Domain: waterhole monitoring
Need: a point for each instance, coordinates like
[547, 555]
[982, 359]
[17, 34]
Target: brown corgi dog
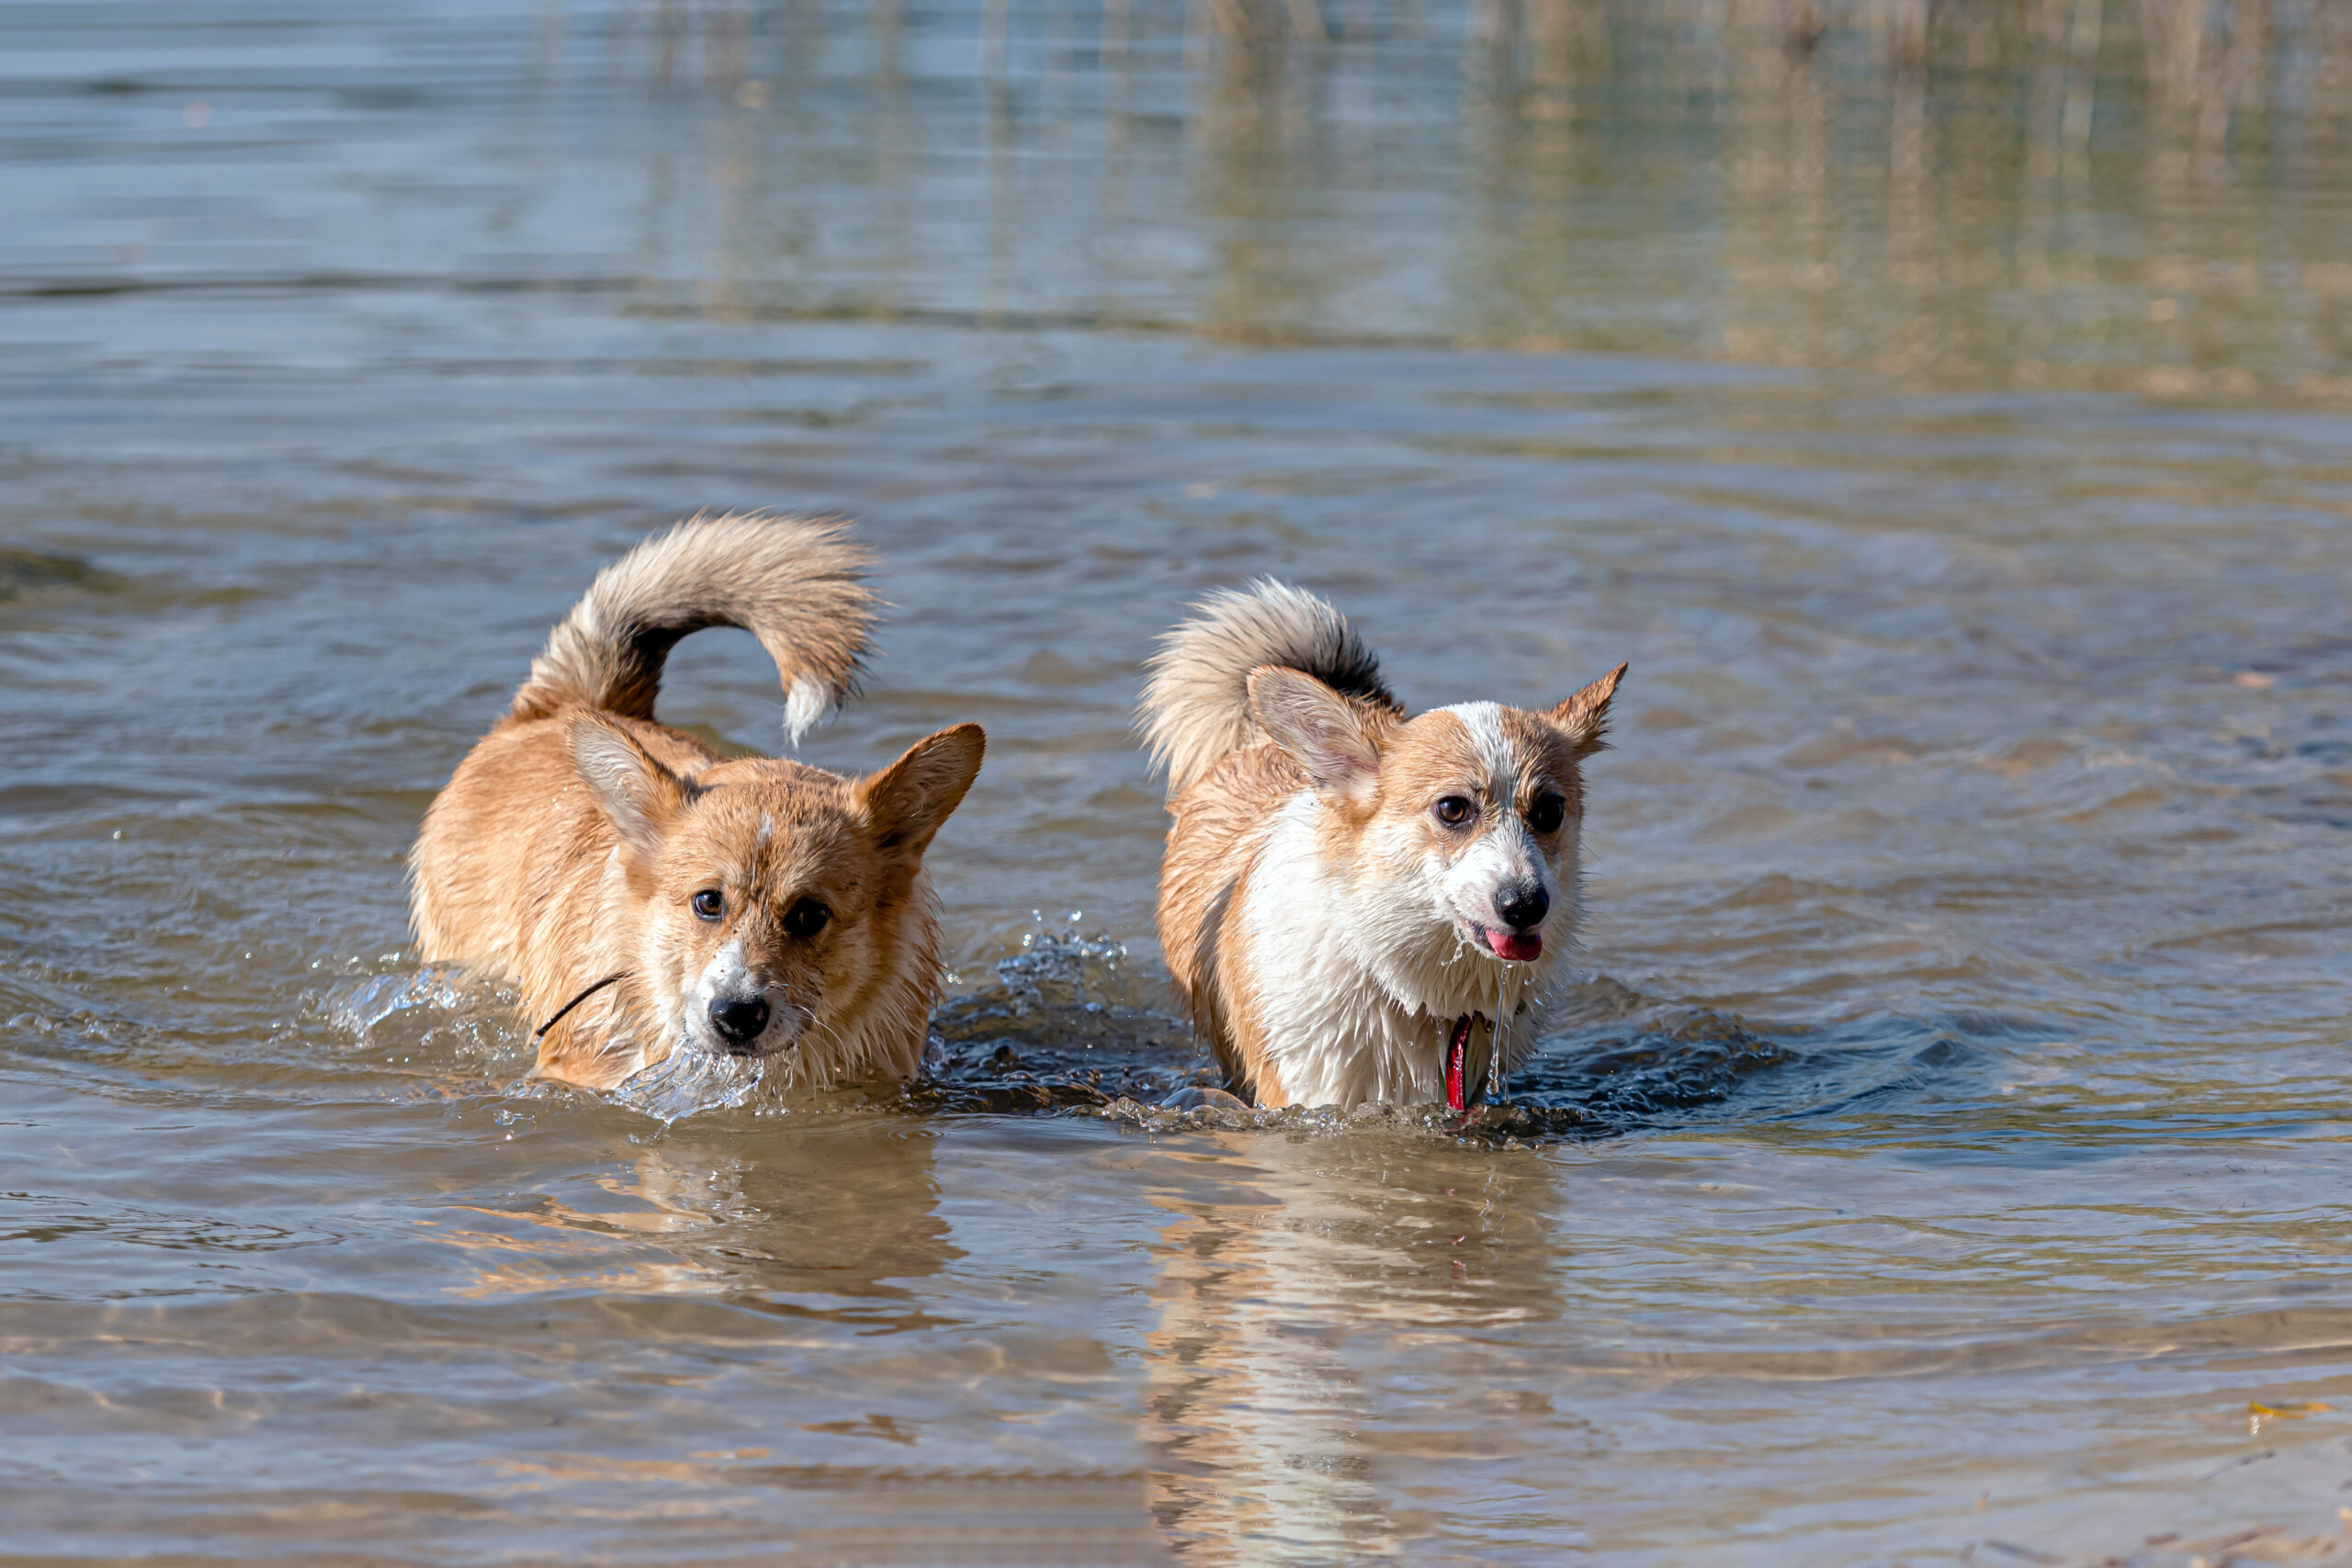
[1359, 906]
[650, 896]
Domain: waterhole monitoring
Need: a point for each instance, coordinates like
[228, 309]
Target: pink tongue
[1506, 945]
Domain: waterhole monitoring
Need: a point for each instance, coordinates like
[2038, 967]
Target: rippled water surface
[1945, 1158]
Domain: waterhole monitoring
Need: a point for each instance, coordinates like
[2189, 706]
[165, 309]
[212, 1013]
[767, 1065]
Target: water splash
[1064, 989]
[381, 998]
[688, 1083]
[1070, 1024]
[437, 1021]
[1067, 968]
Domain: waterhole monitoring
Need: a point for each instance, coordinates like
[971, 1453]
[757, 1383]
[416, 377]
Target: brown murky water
[1949, 1158]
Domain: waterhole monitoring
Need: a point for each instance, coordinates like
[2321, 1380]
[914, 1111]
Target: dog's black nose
[739, 1023]
[1523, 906]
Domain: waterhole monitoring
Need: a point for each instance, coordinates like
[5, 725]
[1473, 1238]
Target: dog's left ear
[640, 795]
[1585, 716]
[1331, 737]
[906, 801]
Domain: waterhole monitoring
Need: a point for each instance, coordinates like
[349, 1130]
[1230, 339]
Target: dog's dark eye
[709, 905]
[806, 919]
[1546, 813]
[1456, 810]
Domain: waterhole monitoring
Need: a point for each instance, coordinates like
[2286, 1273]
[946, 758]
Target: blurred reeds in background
[2146, 196]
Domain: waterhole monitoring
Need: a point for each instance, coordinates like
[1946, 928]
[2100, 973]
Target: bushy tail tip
[1195, 706]
[794, 582]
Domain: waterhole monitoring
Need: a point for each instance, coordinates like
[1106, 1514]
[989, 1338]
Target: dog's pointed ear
[640, 795]
[906, 801]
[1584, 717]
[1331, 737]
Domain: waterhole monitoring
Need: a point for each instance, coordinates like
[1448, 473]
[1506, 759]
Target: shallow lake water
[1946, 1159]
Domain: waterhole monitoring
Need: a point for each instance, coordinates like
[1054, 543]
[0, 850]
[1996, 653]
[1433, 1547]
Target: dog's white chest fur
[1356, 994]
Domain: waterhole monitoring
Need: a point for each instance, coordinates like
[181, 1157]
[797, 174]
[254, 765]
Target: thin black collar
[540, 1032]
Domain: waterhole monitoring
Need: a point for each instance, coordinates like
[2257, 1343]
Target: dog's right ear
[1328, 735]
[1584, 717]
[906, 801]
[637, 794]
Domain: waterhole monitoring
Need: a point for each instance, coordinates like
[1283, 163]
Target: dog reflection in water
[1334, 1327]
[648, 895]
[820, 1206]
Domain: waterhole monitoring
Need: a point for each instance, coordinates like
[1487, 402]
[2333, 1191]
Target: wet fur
[571, 841]
[1312, 910]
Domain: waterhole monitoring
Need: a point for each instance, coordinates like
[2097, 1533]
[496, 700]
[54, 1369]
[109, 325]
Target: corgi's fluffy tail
[1195, 706]
[793, 583]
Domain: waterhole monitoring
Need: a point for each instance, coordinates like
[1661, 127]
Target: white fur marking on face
[728, 976]
[1506, 852]
[725, 976]
[1484, 723]
[1505, 855]
[767, 830]
[803, 707]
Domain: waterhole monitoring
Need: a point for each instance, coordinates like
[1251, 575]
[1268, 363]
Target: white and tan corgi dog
[650, 896]
[1352, 899]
